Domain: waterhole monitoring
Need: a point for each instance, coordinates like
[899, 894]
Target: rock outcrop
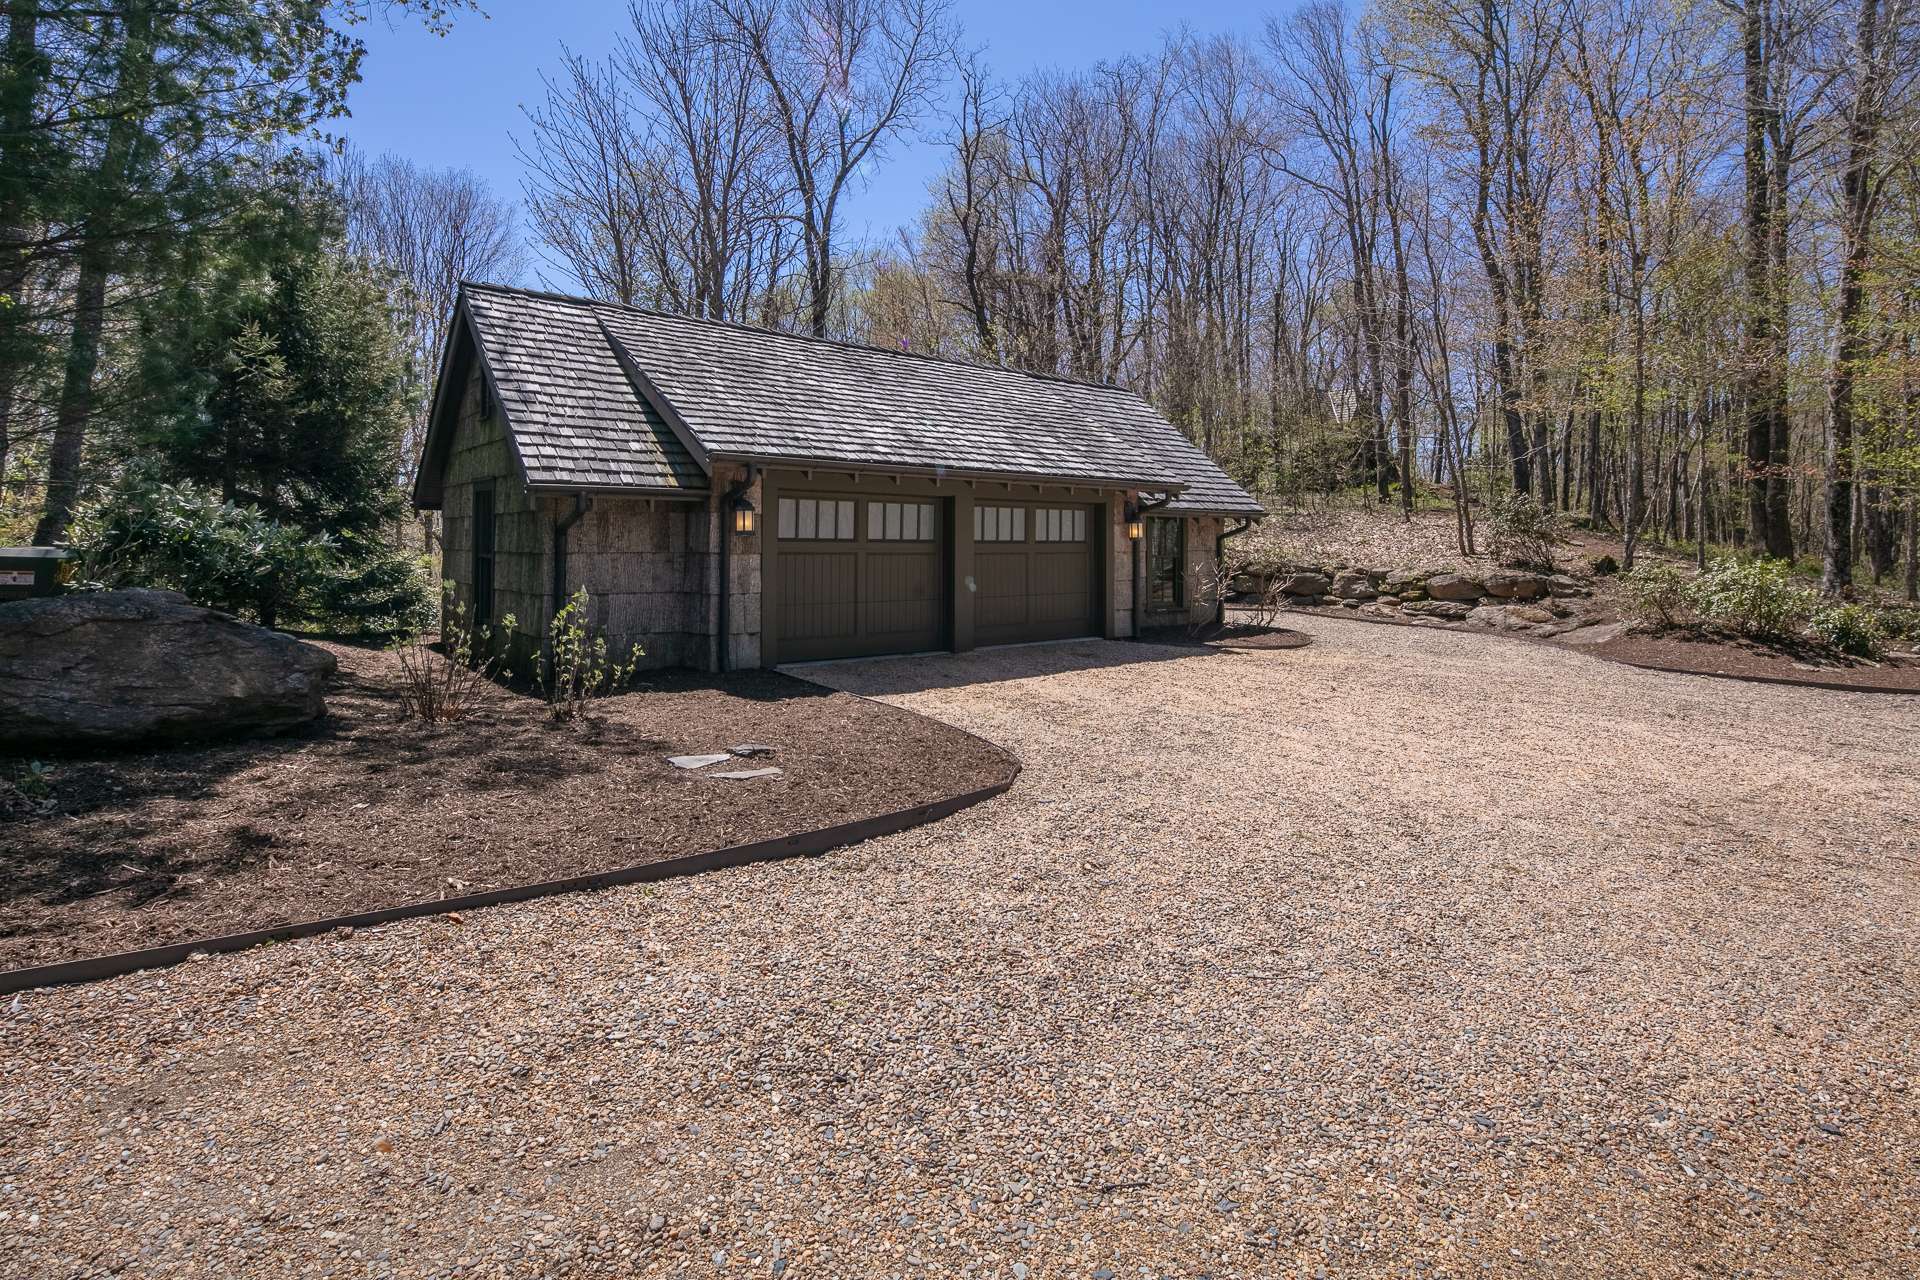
[111, 668]
[1455, 586]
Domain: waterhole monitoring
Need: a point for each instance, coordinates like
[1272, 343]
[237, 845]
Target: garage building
[853, 500]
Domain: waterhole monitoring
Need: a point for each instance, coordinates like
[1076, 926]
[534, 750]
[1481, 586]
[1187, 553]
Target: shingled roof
[605, 396]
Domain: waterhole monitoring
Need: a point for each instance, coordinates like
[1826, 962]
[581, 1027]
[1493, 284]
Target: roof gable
[601, 395]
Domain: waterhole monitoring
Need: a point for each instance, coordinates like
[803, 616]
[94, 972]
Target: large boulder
[1509, 585]
[1399, 581]
[1354, 584]
[1305, 582]
[1445, 610]
[1565, 587]
[108, 668]
[1455, 586]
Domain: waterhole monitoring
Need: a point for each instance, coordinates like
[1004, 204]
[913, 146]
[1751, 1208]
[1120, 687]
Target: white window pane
[910, 521]
[1019, 524]
[809, 517]
[1080, 525]
[979, 514]
[846, 519]
[786, 517]
[873, 521]
[1040, 525]
[928, 530]
[1002, 524]
[893, 522]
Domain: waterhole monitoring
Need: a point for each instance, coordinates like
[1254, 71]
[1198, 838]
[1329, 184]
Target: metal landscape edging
[798, 845]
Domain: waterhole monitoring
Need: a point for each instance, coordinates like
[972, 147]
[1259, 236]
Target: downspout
[734, 490]
[1139, 578]
[560, 527]
[1220, 559]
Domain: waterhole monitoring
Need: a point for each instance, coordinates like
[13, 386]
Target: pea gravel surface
[1406, 954]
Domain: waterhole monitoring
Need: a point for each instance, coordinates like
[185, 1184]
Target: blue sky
[454, 100]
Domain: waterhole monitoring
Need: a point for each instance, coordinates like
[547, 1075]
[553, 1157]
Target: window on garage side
[1166, 563]
[999, 524]
[1060, 524]
[482, 557]
[901, 522]
[816, 519]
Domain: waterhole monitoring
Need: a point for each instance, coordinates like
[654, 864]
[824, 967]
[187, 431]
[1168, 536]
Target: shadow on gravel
[881, 677]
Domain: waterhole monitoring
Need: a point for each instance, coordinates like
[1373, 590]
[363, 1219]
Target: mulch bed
[1713, 654]
[1234, 635]
[369, 809]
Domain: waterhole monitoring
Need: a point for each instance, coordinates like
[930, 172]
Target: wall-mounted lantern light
[743, 514]
[1136, 528]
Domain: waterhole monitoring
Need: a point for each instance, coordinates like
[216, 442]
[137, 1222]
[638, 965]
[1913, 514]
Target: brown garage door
[852, 577]
[1034, 564]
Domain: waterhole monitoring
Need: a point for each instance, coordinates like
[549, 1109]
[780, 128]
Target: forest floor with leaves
[1360, 532]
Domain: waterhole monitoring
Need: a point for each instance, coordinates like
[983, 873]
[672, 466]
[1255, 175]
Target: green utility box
[33, 571]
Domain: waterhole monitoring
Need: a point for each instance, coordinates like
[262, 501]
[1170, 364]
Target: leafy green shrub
[577, 668]
[1755, 597]
[373, 588]
[1850, 628]
[449, 683]
[186, 538]
[1522, 532]
[1659, 592]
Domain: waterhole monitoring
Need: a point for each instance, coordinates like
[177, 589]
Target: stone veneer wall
[646, 563]
[743, 600]
[522, 532]
[1120, 548]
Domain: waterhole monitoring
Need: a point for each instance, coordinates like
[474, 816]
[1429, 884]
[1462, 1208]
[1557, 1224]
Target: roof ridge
[576, 300]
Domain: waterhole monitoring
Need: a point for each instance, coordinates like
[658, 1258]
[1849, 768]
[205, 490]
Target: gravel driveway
[1410, 953]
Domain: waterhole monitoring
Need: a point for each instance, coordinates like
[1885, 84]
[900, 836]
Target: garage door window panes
[901, 522]
[999, 524]
[1060, 524]
[817, 519]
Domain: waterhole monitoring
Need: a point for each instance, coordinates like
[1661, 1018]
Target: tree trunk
[76, 401]
[1913, 550]
[23, 75]
[1849, 338]
[97, 252]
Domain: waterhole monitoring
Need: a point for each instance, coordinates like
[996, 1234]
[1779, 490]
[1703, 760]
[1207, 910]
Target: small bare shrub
[448, 684]
[578, 669]
[1262, 600]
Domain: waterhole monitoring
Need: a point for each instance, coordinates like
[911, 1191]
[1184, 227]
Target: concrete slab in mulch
[772, 771]
[697, 762]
